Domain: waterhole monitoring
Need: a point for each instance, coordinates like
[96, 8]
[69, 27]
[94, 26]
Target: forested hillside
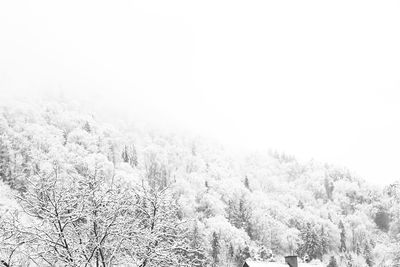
[76, 191]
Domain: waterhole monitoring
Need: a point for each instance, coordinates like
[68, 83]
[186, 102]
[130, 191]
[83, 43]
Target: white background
[317, 79]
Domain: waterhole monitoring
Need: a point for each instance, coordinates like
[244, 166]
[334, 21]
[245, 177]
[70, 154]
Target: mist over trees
[75, 191]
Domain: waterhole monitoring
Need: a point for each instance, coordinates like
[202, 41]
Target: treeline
[92, 194]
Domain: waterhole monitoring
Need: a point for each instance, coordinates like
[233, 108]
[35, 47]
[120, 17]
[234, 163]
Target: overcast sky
[316, 79]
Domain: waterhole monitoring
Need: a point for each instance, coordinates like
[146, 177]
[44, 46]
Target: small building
[290, 261]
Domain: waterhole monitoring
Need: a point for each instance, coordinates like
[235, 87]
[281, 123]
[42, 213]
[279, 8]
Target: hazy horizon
[313, 79]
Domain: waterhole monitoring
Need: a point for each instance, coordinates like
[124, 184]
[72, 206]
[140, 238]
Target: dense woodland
[76, 191]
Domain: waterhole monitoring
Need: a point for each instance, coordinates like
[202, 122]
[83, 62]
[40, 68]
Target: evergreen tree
[231, 252]
[129, 155]
[199, 256]
[342, 247]
[368, 254]
[324, 241]
[332, 262]
[134, 157]
[310, 242]
[349, 259]
[156, 174]
[215, 249]
[243, 255]
[239, 214]
[263, 253]
[329, 188]
[5, 161]
[246, 182]
[125, 155]
[87, 127]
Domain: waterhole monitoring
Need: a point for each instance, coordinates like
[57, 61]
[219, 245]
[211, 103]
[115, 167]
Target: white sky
[317, 79]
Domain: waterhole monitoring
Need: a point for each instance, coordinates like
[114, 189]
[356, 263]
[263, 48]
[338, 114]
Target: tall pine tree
[342, 247]
[215, 249]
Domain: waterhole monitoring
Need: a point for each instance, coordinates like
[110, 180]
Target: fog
[313, 79]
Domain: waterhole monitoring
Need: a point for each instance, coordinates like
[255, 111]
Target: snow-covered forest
[76, 191]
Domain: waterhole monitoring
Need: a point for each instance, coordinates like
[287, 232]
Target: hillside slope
[237, 206]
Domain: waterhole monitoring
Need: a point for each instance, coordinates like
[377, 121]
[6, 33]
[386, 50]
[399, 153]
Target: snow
[310, 265]
[6, 198]
[278, 264]
[265, 264]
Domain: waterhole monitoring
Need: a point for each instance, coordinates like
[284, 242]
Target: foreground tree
[77, 214]
[84, 217]
[11, 242]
